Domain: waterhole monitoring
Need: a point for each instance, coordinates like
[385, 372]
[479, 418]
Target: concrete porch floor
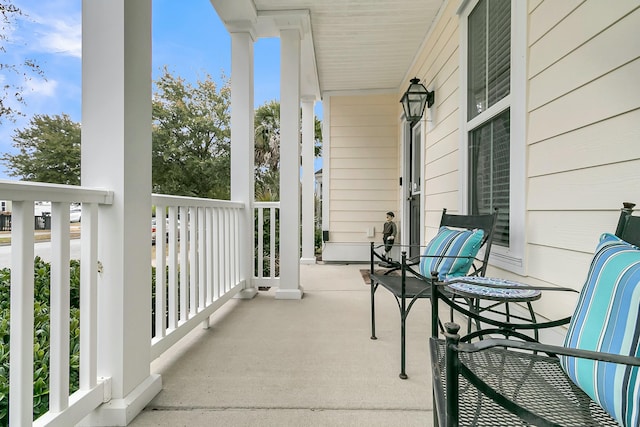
[309, 362]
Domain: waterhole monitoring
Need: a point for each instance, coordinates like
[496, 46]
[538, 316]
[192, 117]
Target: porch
[292, 363]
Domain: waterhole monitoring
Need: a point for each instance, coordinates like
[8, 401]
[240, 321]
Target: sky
[190, 41]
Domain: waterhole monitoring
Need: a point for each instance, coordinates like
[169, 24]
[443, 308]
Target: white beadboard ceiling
[356, 44]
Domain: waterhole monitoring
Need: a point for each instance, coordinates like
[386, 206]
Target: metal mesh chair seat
[414, 287]
[530, 381]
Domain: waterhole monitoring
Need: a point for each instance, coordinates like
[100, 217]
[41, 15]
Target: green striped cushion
[451, 243]
[606, 319]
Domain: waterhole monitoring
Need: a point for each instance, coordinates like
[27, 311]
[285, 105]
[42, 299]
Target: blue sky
[190, 41]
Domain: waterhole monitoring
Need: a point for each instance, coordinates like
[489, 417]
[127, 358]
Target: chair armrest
[547, 348]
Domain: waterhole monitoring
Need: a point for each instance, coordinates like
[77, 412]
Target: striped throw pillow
[440, 253]
[607, 319]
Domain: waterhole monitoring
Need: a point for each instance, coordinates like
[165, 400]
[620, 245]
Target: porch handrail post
[308, 174]
[242, 147]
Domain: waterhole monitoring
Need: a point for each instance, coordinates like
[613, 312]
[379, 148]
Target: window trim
[513, 257]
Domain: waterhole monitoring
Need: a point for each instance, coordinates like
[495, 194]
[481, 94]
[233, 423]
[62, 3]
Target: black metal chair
[410, 285]
[515, 380]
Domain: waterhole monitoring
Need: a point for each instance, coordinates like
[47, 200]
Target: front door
[414, 188]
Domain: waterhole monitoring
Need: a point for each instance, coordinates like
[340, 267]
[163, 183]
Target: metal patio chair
[452, 252]
[592, 380]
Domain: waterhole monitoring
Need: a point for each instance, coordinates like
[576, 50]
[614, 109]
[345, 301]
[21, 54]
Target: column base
[308, 260]
[120, 412]
[290, 293]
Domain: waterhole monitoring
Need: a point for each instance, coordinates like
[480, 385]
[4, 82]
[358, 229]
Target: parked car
[75, 214]
[153, 230]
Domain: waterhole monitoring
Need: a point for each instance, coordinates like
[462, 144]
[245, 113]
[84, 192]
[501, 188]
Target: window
[493, 137]
[489, 113]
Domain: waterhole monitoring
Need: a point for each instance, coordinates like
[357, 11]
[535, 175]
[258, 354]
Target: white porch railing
[64, 409]
[197, 246]
[267, 257]
[200, 254]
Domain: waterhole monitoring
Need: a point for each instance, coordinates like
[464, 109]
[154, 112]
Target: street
[42, 249]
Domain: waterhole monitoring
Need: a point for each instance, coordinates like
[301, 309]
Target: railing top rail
[266, 204]
[168, 200]
[40, 191]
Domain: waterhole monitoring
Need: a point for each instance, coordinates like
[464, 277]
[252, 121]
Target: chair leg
[373, 311]
[403, 318]
[533, 319]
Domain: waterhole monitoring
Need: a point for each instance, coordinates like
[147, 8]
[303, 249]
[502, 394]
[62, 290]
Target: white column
[116, 155]
[242, 150]
[289, 165]
[308, 137]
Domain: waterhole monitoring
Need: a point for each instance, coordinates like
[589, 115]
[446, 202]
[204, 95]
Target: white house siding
[437, 66]
[363, 178]
[583, 132]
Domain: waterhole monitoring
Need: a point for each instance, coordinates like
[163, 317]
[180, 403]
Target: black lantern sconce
[414, 100]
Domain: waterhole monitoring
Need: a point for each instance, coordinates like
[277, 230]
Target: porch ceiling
[356, 44]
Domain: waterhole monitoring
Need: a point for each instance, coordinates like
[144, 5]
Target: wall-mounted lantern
[414, 100]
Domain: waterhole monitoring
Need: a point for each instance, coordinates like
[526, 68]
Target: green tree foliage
[48, 151]
[191, 138]
[11, 94]
[267, 150]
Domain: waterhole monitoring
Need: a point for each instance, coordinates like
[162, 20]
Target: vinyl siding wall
[363, 182]
[583, 132]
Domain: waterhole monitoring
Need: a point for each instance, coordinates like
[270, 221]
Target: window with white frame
[489, 112]
[493, 83]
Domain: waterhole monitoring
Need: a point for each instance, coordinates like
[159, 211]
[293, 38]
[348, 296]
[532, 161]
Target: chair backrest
[485, 222]
[628, 228]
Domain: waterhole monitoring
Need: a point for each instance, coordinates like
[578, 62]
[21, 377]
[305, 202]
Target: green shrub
[42, 281]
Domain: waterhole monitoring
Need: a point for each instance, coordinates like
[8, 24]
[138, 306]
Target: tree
[267, 149]
[48, 151]
[11, 93]
[191, 138]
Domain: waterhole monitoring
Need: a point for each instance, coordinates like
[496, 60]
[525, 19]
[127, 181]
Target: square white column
[242, 149]
[116, 155]
[289, 166]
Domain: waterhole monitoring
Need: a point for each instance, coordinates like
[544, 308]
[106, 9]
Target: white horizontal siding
[364, 164]
[583, 157]
[609, 141]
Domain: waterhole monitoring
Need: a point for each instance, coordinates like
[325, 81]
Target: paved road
[42, 249]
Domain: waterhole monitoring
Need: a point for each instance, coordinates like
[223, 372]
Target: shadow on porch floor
[309, 362]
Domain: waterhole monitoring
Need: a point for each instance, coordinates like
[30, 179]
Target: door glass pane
[416, 159]
[489, 173]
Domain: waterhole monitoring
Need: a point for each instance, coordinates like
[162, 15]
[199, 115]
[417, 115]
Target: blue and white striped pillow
[451, 243]
[607, 319]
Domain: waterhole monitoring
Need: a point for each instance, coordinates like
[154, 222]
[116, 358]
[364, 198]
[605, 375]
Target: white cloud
[40, 87]
[54, 27]
[62, 37]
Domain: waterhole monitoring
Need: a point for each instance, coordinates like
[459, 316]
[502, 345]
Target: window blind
[489, 151]
[489, 55]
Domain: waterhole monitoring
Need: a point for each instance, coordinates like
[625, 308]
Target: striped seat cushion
[441, 252]
[606, 319]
